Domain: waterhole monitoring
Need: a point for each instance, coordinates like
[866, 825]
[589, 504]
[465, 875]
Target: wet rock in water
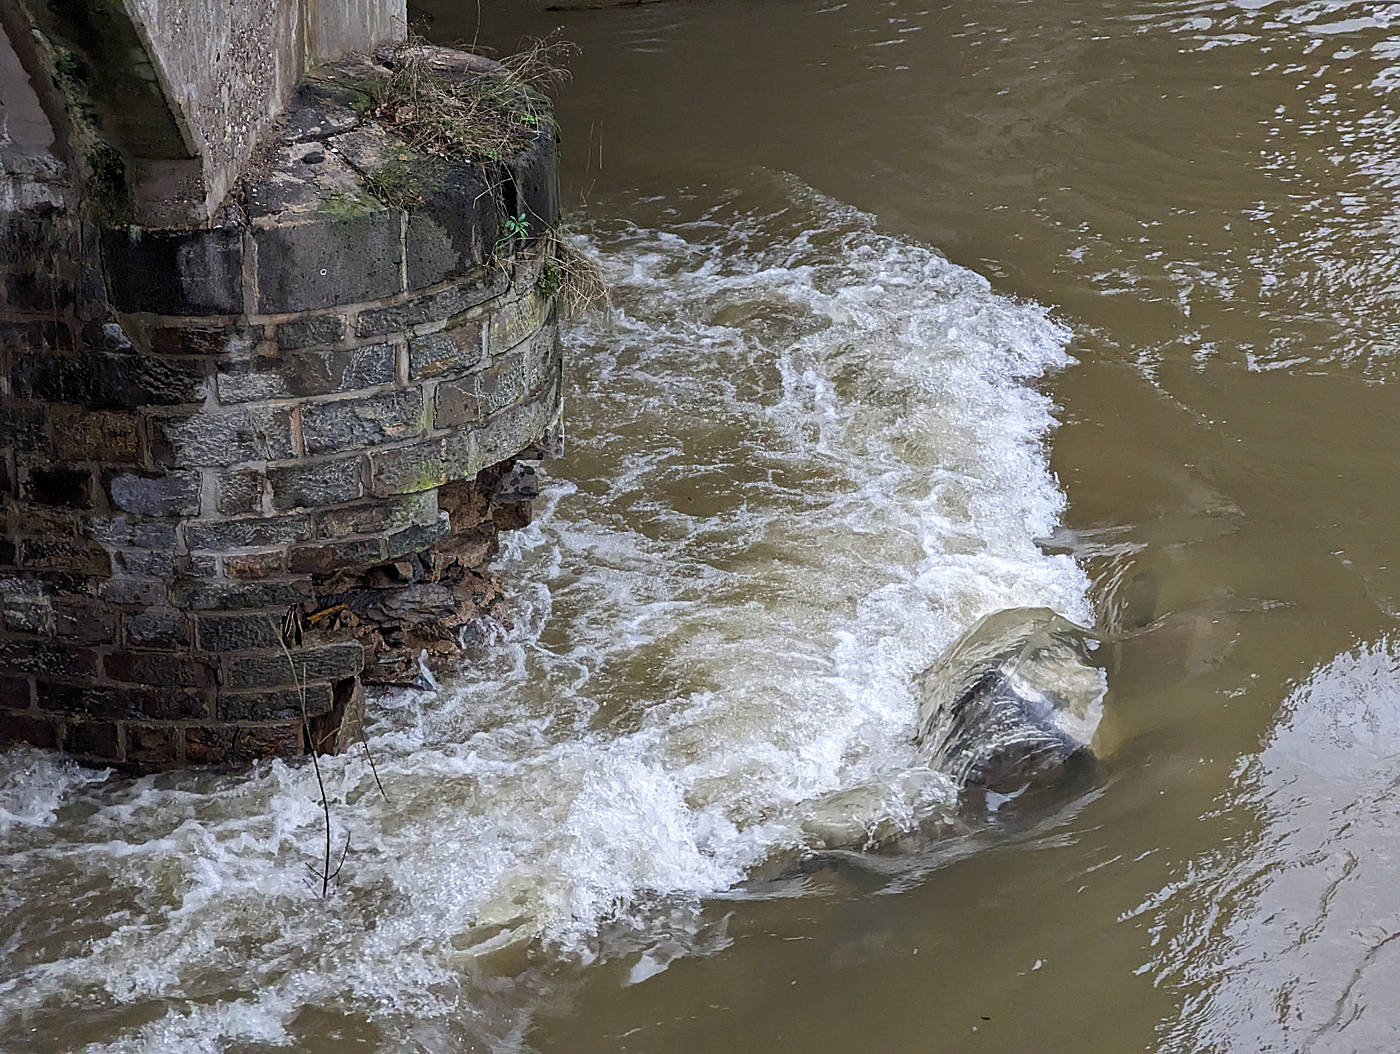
[1009, 711]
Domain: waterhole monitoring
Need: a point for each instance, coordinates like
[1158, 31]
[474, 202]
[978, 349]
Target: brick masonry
[244, 468]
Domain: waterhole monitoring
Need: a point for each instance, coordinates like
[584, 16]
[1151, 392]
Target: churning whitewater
[803, 456]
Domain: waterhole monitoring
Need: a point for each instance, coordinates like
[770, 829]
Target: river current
[918, 312]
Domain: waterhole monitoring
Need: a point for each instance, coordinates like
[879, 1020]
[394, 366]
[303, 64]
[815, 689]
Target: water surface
[920, 311]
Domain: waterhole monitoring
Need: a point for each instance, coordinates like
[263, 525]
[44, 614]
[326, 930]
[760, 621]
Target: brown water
[804, 453]
[1206, 192]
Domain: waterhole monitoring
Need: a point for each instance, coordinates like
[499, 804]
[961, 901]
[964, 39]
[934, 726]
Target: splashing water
[804, 456]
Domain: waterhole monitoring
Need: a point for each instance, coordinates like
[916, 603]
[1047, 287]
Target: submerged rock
[1006, 715]
[1010, 709]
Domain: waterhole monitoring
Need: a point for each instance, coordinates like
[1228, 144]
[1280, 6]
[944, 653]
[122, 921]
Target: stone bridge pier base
[258, 429]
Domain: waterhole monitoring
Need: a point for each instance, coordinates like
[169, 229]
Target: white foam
[804, 456]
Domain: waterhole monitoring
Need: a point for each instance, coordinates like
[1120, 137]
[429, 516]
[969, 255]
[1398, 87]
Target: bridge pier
[258, 427]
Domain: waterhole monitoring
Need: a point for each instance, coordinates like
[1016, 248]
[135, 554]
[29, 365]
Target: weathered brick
[534, 182]
[223, 437]
[147, 494]
[348, 424]
[331, 556]
[255, 565]
[95, 435]
[132, 533]
[453, 225]
[124, 701]
[511, 431]
[379, 515]
[330, 261]
[157, 627]
[272, 704]
[26, 607]
[307, 332]
[23, 728]
[239, 632]
[69, 488]
[515, 322]
[235, 340]
[433, 307]
[313, 483]
[451, 351]
[120, 589]
[14, 693]
[239, 491]
[206, 594]
[259, 533]
[98, 739]
[148, 563]
[407, 469]
[228, 744]
[417, 537]
[327, 662]
[65, 554]
[87, 621]
[306, 374]
[109, 381]
[151, 747]
[193, 272]
[158, 669]
[23, 427]
[38, 292]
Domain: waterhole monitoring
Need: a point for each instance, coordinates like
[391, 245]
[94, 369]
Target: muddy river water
[920, 310]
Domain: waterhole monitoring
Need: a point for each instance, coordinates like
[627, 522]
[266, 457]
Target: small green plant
[516, 226]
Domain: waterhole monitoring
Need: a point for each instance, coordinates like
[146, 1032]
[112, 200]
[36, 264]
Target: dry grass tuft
[571, 276]
[478, 116]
